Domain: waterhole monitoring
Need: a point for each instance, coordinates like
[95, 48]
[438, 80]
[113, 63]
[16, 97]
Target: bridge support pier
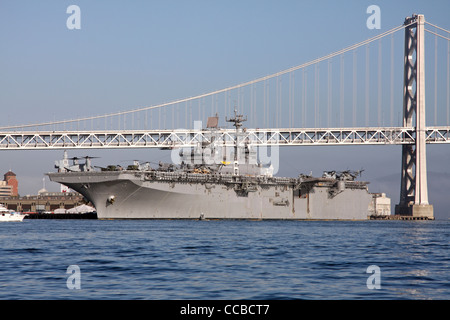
[414, 189]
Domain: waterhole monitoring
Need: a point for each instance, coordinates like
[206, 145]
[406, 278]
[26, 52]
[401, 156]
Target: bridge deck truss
[226, 137]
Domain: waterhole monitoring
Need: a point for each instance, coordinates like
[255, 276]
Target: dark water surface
[162, 259]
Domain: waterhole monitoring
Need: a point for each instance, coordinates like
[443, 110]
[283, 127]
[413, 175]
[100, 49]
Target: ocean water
[255, 260]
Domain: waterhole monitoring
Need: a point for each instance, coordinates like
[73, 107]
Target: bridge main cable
[245, 84]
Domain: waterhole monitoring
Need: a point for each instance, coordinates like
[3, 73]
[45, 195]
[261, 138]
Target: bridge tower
[414, 189]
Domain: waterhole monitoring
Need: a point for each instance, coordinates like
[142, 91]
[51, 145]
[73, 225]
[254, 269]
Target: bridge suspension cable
[439, 28]
[122, 114]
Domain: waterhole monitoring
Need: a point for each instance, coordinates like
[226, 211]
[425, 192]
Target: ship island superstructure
[232, 188]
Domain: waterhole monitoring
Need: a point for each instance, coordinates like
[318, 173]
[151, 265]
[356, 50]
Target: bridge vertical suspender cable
[316, 95]
[435, 78]
[304, 96]
[355, 91]
[330, 82]
[392, 83]
[277, 101]
[367, 95]
[380, 61]
[341, 96]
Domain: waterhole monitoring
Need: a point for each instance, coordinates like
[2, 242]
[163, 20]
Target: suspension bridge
[349, 97]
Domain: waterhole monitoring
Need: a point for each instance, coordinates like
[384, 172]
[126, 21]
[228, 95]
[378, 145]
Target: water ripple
[224, 259]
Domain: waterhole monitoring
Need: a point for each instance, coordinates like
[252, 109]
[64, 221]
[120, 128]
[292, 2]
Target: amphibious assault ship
[238, 189]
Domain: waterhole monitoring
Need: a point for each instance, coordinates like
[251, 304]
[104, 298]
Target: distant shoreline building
[43, 201]
[9, 187]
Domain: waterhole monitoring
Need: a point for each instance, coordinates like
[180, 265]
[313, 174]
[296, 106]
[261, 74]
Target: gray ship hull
[153, 195]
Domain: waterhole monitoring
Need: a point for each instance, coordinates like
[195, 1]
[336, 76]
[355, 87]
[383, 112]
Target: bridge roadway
[28, 140]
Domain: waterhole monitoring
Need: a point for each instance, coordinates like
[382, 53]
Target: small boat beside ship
[9, 215]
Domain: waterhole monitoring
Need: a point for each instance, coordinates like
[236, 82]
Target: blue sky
[138, 53]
